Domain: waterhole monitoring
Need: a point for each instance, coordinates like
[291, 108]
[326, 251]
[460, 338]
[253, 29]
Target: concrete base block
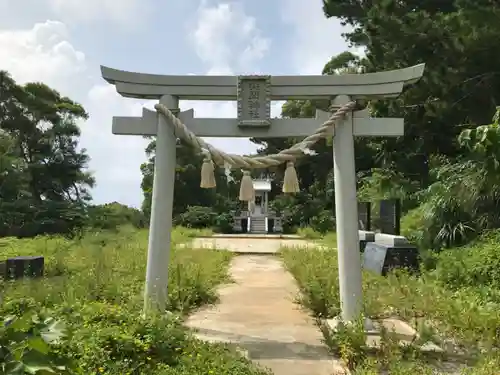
[365, 237]
[334, 324]
[405, 333]
[390, 240]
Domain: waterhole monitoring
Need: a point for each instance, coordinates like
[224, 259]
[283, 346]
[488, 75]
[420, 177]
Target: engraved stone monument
[390, 252]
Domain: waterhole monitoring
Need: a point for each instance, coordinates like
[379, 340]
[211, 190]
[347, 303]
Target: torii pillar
[254, 95]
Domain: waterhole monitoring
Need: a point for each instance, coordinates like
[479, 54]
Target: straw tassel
[207, 174]
[290, 181]
[247, 192]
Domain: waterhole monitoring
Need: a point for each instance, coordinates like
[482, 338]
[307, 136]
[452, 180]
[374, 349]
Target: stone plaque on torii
[254, 95]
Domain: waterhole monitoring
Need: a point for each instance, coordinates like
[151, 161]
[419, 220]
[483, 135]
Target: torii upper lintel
[357, 86]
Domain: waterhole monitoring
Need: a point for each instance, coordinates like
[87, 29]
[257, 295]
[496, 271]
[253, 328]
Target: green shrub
[197, 217]
[114, 339]
[224, 223]
[323, 222]
[113, 215]
[413, 227]
[27, 345]
[476, 265]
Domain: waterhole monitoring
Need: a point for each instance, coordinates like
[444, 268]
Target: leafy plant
[197, 217]
[323, 222]
[456, 306]
[25, 346]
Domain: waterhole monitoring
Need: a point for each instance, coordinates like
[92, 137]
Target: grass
[309, 233]
[94, 285]
[466, 320]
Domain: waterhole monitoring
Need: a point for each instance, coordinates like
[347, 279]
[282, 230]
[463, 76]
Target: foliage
[199, 217]
[224, 222]
[464, 197]
[449, 172]
[187, 191]
[456, 305]
[323, 222]
[112, 215]
[476, 265]
[94, 286]
[43, 182]
[26, 345]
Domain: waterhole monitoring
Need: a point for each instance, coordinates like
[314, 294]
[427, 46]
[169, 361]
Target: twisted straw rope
[247, 162]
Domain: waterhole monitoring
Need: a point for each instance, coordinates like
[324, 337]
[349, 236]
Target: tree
[187, 190]
[461, 85]
[43, 184]
[111, 216]
[460, 89]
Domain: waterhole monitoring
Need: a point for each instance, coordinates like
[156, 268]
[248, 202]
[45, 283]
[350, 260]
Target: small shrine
[257, 218]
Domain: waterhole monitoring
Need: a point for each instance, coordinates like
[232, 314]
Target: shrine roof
[261, 185]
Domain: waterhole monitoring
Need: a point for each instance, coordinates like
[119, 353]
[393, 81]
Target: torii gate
[254, 95]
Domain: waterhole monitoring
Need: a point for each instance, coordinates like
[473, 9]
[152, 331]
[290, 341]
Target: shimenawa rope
[213, 155]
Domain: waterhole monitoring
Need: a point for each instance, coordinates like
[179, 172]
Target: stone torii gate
[254, 95]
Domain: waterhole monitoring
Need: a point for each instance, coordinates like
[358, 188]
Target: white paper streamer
[308, 151]
[227, 172]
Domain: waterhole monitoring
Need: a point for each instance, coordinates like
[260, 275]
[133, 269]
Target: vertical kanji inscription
[254, 103]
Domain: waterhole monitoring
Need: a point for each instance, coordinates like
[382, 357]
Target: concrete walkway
[258, 314]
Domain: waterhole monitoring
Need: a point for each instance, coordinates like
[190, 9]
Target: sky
[63, 43]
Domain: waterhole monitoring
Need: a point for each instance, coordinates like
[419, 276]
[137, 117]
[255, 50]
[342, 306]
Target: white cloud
[224, 37]
[44, 53]
[227, 40]
[315, 39]
[119, 11]
[116, 159]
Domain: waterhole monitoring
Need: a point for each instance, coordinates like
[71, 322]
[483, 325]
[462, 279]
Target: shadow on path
[261, 348]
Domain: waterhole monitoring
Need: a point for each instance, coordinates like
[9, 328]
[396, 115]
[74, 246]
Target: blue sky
[63, 43]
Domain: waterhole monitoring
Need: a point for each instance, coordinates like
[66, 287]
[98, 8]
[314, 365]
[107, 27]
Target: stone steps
[258, 225]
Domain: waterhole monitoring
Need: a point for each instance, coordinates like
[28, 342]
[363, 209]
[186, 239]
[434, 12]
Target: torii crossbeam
[254, 94]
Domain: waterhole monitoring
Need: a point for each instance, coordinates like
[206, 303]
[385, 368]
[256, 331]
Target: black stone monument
[244, 225]
[384, 257]
[24, 266]
[364, 216]
[390, 216]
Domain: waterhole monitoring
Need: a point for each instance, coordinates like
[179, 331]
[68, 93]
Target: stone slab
[249, 245]
[256, 236]
[258, 314]
[391, 240]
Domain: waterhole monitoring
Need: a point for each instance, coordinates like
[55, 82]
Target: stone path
[259, 315]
